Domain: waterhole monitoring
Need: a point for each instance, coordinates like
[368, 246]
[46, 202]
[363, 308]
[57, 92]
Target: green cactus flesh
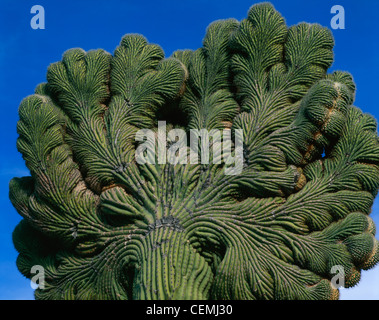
[106, 227]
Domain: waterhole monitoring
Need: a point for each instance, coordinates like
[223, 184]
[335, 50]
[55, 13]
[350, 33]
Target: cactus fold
[106, 227]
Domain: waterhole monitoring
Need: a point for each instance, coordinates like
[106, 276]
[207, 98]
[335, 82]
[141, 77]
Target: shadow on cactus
[104, 226]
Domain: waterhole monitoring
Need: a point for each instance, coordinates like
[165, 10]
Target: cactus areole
[106, 226]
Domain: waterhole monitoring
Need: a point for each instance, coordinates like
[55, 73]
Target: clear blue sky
[25, 54]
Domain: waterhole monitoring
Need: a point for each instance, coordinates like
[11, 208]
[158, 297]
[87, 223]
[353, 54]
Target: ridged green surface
[106, 227]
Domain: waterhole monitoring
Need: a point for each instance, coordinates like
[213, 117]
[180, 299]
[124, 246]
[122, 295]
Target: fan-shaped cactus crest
[104, 226]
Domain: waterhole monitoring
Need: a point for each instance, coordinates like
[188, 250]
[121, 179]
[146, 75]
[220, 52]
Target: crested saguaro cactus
[105, 226]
